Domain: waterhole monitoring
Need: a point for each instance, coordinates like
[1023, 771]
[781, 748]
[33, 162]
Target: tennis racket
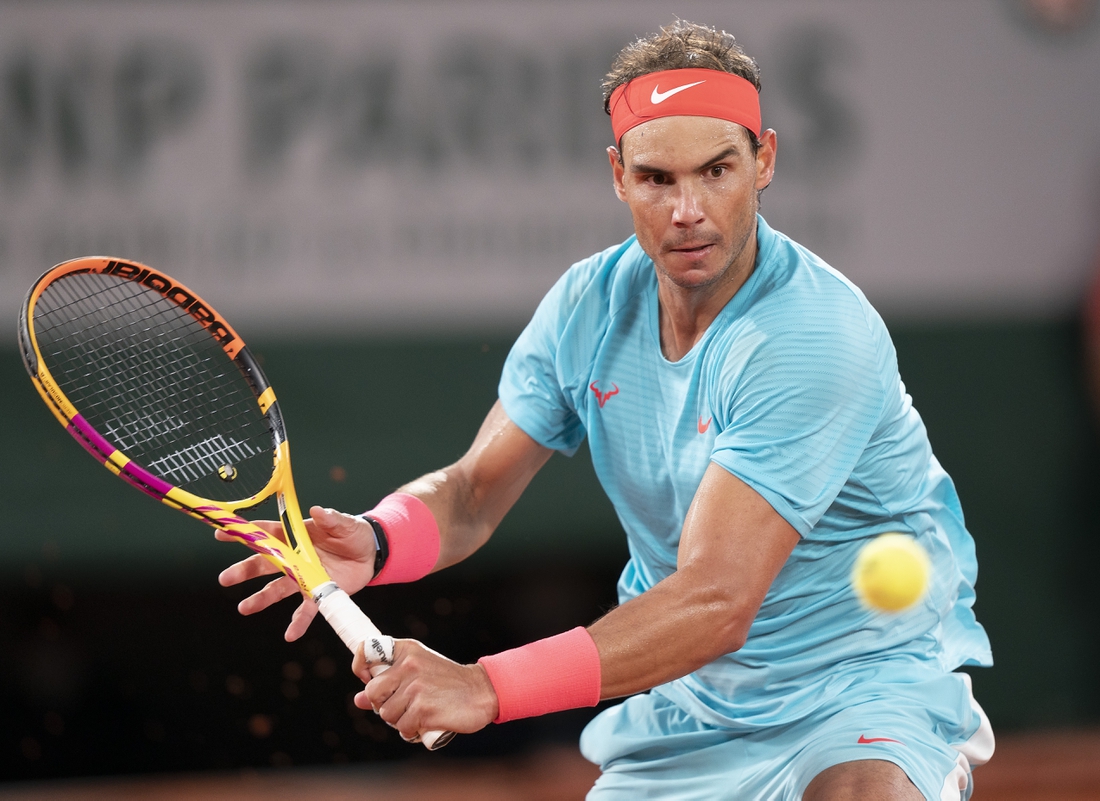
[160, 389]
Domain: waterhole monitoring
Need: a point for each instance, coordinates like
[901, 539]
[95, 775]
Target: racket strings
[147, 422]
[148, 377]
[120, 369]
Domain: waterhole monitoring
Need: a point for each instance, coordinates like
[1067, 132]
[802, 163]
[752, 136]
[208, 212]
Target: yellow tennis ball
[891, 573]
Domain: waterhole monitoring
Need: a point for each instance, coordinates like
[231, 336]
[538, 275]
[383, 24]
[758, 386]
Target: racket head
[159, 388]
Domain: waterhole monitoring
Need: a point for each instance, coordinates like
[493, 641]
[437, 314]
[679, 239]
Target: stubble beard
[727, 274]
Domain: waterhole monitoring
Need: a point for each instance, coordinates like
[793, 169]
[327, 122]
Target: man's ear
[765, 159]
[618, 171]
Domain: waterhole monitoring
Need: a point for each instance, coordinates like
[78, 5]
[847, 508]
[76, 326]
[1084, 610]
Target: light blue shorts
[648, 747]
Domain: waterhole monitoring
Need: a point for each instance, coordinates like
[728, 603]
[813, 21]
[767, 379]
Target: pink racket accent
[99, 447]
[145, 481]
[90, 439]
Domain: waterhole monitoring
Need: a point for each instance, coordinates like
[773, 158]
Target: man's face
[691, 184]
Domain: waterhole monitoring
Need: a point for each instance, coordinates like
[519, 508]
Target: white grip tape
[356, 629]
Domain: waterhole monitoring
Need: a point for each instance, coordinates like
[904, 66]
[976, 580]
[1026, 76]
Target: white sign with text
[355, 167]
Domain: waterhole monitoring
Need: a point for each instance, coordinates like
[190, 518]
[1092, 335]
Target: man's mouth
[692, 248]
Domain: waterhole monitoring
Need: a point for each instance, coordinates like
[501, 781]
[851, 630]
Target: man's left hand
[424, 691]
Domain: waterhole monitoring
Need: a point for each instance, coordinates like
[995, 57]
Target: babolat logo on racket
[177, 294]
[379, 651]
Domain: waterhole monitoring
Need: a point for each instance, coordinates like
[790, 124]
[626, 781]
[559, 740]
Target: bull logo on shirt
[601, 397]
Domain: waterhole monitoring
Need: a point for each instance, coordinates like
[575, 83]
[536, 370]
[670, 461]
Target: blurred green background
[1005, 404]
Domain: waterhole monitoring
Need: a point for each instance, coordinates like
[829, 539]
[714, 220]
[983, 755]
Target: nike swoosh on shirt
[863, 740]
[661, 97]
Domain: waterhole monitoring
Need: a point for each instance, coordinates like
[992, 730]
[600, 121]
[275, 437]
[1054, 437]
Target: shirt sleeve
[801, 401]
[531, 387]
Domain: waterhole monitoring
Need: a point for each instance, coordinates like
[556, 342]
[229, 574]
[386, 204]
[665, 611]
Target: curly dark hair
[682, 45]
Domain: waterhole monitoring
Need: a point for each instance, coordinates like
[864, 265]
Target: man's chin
[693, 277]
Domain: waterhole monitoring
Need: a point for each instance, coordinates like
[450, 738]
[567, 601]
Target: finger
[388, 694]
[407, 722]
[250, 568]
[272, 527]
[391, 710]
[379, 691]
[273, 592]
[360, 666]
[337, 525]
[301, 619]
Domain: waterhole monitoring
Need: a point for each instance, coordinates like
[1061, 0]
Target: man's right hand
[345, 545]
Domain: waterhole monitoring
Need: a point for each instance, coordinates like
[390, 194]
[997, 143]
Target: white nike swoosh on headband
[660, 97]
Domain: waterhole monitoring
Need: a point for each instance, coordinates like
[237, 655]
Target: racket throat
[323, 590]
[353, 627]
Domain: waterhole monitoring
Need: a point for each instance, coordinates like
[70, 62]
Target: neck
[685, 313]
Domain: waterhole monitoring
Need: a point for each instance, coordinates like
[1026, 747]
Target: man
[745, 415]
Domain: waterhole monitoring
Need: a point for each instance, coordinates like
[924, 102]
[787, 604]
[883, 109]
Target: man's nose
[687, 209]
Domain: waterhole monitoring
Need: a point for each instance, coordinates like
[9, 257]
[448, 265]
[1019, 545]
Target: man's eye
[717, 171]
[659, 180]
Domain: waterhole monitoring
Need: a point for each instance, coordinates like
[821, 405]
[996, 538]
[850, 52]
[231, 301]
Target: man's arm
[471, 497]
[732, 546]
[468, 500]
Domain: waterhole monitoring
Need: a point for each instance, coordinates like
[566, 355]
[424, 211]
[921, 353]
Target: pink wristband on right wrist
[551, 675]
[412, 536]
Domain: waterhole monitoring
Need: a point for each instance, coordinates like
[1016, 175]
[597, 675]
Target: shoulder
[586, 298]
[607, 279]
[806, 322]
[548, 361]
[802, 301]
[803, 289]
[579, 307]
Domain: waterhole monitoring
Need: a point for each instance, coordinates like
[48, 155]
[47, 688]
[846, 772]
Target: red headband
[688, 93]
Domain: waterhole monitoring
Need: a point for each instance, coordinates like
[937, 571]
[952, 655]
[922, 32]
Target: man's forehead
[676, 139]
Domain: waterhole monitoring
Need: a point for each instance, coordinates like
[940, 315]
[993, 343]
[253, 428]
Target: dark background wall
[120, 653]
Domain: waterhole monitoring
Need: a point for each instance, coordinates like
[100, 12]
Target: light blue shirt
[794, 388]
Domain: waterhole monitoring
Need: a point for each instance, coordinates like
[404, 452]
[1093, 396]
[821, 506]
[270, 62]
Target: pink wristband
[551, 675]
[412, 536]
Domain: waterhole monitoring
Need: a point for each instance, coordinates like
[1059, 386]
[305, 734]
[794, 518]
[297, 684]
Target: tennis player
[745, 414]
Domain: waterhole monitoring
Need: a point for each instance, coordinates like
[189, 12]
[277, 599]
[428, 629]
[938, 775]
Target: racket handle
[356, 629]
